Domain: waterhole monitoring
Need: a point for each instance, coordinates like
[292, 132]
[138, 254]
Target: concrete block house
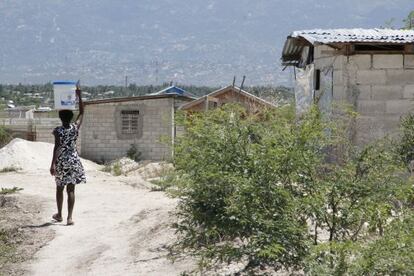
[110, 126]
[371, 69]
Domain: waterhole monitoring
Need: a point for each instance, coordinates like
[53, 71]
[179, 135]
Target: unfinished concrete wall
[379, 86]
[41, 127]
[102, 142]
[45, 128]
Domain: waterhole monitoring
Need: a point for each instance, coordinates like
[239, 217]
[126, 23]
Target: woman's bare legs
[70, 189]
[59, 203]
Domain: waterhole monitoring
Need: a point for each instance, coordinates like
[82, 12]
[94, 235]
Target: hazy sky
[189, 41]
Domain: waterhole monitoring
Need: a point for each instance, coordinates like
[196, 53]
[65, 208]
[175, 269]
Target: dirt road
[119, 229]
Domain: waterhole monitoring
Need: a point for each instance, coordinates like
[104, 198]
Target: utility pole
[241, 86]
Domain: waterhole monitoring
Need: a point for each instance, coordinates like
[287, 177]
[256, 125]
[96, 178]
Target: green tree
[409, 21]
[236, 198]
[391, 254]
[281, 191]
[405, 146]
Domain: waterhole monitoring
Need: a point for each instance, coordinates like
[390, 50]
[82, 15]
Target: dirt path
[119, 230]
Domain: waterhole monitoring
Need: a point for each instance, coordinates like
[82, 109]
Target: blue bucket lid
[64, 82]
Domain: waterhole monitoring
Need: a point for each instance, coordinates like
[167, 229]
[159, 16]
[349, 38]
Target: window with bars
[129, 121]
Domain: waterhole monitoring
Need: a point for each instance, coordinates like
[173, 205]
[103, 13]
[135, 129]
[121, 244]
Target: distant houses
[229, 94]
[371, 69]
[111, 126]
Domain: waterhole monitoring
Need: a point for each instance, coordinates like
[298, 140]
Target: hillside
[203, 43]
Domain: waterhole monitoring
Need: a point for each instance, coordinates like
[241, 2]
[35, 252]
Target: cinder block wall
[380, 86]
[43, 127]
[100, 137]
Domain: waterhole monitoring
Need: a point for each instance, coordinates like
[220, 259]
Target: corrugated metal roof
[174, 90]
[138, 98]
[224, 90]
[298, 40]
[356, 35]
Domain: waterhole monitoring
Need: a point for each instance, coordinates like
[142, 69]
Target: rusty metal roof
[298, 40]
[223, 90]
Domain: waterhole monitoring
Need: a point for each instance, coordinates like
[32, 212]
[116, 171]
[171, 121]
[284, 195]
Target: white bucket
[65, 95]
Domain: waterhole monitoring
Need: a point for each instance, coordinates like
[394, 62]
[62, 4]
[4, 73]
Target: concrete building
[110, 126]
[371, 69]
[229, 94]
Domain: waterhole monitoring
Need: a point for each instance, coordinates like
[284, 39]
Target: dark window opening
[129, 121]
[317, 79]
[379, 48]
[311, 55]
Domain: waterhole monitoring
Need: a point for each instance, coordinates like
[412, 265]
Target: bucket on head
[64, 95]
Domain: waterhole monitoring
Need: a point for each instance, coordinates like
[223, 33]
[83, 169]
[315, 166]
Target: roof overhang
[297, 41]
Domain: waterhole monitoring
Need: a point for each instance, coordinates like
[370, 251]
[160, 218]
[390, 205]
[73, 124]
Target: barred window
[129, 119]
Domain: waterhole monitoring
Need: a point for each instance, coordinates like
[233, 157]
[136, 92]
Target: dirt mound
[149, 170]
[31, 156]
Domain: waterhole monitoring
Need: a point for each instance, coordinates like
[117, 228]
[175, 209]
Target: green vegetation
[168, 178]
[9, 169]
[408, 22]
[8, 191]
[107, 168]
[405, 147]
[113, 168]
[116, 168]
[5, 136]
[287, 192]
[6, 249]
[133, 153]
[42, 94]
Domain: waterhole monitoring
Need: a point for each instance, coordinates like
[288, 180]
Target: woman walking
[66, 165]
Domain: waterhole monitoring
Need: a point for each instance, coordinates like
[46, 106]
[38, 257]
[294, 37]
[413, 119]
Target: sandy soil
[121, 227]
[19, 217]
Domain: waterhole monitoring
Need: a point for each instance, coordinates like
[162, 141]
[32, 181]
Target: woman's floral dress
[68, 168]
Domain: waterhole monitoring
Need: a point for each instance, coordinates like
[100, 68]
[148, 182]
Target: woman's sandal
[57, 218]
[70, 222]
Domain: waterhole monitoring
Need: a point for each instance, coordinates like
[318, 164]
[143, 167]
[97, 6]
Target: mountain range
[201, 42]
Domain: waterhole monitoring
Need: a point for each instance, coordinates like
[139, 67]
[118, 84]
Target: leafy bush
[113, 168]
[7, 191]
[5, 136]
[133, 153]
[405, 146]
[236, 190]
[392, 254]
[117, 169]
[168, 178]
[275, 190]
[9, 169]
